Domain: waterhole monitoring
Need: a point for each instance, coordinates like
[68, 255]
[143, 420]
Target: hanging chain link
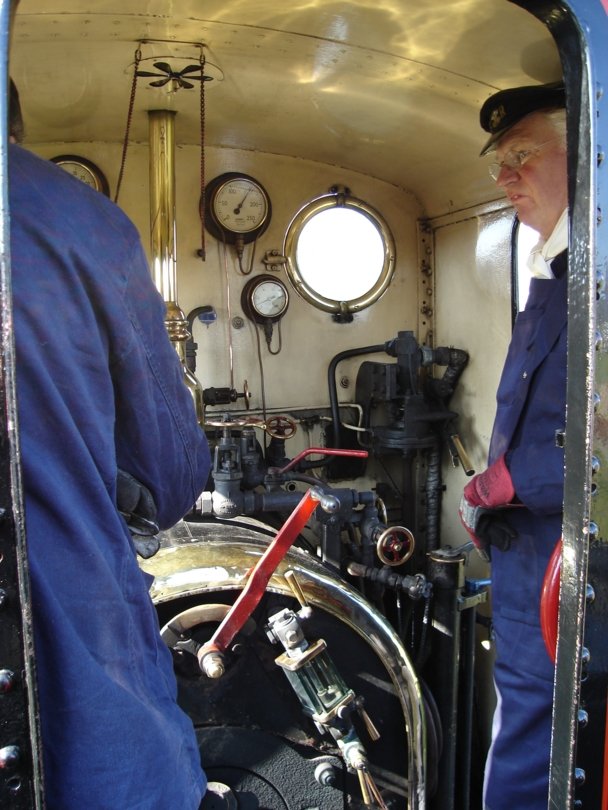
[137, 60]
[202, 251]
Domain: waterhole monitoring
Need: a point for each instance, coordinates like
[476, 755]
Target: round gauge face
[269, 299]
[83, 170]
[240, 205]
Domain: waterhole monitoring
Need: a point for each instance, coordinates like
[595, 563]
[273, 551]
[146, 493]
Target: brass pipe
[163, 239]
[162, 201]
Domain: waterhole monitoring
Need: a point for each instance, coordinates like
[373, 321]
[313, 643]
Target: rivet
[585, 656]
[583, 718]
[595, 465]
[590, 594]
[7, 680]
[9, 757]
[579, 776]
[13, 784]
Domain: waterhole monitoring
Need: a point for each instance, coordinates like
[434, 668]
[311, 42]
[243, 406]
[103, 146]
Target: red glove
[491, 489]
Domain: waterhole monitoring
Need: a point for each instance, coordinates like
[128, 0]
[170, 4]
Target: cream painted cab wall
[227, 356]
[473, 312]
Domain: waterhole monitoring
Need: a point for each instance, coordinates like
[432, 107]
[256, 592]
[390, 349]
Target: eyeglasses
[516, 158]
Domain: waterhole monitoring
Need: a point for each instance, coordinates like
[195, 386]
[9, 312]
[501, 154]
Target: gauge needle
[237, 210]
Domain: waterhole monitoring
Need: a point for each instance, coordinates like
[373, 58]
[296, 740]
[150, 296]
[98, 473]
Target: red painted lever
[324, 451]
[549, 601]
[260, 574]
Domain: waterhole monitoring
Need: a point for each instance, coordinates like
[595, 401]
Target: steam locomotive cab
[341, 277]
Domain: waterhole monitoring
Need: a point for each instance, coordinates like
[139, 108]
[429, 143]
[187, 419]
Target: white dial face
[269, 299]
[81, 172]
[240, 205]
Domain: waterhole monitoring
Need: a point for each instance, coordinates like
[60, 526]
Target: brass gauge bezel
[248, 219]
[263, 310]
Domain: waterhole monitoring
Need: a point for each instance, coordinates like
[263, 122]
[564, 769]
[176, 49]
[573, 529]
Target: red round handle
[549, 600]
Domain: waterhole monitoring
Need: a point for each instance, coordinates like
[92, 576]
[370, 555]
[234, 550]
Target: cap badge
[496, 117]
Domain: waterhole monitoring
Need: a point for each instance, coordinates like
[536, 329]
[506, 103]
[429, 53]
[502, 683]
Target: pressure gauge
[265, 299]
[85, 170]
[237, 208]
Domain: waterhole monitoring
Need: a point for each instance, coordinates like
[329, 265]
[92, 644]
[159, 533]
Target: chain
[202, 252]
[128, 127]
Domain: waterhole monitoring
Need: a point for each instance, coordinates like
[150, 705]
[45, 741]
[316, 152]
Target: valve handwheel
[227, 423]
[395, 545]
[280, 427]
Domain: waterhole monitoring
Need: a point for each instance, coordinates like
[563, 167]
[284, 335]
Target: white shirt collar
[541, 255]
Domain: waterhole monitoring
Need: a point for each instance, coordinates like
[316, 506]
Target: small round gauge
[265, 298]
[236, 207]
[83, 170]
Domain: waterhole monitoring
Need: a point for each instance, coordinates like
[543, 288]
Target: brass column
[163, 240]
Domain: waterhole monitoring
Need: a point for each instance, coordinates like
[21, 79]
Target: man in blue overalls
[110, 443]
[515, 505]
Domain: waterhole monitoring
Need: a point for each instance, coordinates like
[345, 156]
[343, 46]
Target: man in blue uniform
[515, 506]
[100, 389]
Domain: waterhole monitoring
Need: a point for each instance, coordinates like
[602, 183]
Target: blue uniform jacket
[99, 386]
[531, 405]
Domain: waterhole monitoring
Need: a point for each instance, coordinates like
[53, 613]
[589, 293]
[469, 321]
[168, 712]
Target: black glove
[486, 528]
[136, 504]
[492, 530]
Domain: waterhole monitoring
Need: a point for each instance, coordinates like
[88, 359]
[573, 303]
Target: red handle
[258, 579]
[549, 600]
[324, 451]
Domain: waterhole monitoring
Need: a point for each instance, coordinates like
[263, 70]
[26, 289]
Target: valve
[278, 427]
[395, 545]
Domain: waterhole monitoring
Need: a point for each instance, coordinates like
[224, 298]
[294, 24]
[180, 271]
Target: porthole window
[340, 254]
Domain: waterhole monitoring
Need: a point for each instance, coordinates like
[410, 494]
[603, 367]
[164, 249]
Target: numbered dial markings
[269, 299]
[265, 298]
[83, 170]
[237, 208]
[240, 206]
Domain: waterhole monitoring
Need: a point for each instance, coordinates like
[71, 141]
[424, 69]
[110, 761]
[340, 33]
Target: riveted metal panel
[581, 681]
[20, 760]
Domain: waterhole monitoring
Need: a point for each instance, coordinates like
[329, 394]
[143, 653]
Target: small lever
[459, 454]
[292, 581]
